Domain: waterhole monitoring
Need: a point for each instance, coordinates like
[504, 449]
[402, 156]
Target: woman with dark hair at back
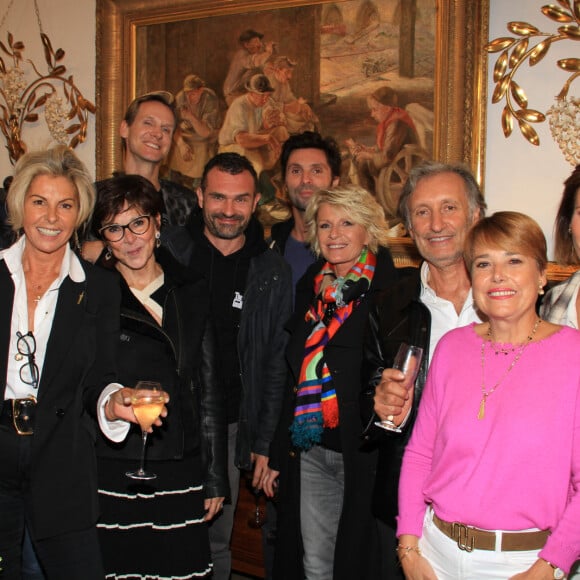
[561, 304]
[158, 528]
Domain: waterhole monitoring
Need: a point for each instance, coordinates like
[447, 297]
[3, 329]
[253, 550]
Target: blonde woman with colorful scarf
[325, 526]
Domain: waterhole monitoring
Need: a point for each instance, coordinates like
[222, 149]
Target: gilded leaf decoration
[22, 101]
[531, 45]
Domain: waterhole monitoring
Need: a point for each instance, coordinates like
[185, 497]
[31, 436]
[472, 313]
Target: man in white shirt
[439, 204]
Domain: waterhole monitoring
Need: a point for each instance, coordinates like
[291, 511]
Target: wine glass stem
[144, 439]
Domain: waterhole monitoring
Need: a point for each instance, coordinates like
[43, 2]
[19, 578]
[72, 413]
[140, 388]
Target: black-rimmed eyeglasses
[26, 346]
[116, 232]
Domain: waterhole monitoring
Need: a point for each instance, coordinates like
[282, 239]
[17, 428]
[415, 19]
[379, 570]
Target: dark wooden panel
[247, 554]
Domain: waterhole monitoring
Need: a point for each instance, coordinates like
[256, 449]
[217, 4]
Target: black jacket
[7, 236]
[179, 201]
[356, 551]
[267, 305]
[279, 235]
[79, 362]
[180, 355]
[397, 316]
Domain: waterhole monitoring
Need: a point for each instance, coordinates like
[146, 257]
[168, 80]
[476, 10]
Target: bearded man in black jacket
[251, 299]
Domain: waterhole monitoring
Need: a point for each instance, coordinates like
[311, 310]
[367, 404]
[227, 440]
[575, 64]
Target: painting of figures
[361, 71]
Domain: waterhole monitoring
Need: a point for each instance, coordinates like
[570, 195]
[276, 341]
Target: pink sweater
[518, 467]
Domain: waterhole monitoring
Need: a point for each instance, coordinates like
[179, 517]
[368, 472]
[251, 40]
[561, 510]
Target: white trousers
[452, 563]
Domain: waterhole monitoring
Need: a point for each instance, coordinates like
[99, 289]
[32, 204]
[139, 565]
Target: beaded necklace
[485, 393]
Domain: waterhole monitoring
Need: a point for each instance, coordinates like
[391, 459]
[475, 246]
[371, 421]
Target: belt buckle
[462, 534]
[23, 414]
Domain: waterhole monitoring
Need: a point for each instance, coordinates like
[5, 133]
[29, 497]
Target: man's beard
[297, 201]
[225, 232]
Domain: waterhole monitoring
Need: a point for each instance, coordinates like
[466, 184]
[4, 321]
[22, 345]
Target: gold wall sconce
[531, 45]
[54, 94]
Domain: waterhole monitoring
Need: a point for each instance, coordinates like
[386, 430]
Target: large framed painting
[346, 65]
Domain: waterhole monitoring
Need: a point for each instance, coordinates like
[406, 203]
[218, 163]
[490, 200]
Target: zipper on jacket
[158, 328]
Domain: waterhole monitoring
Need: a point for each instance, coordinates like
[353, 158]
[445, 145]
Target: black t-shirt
[226, 276]
[227, 279]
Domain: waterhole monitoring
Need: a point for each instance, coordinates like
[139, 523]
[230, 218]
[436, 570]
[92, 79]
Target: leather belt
[6, 412]
[18, 414]
[469, 538]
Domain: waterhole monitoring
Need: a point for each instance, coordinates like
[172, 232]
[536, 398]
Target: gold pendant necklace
[485, 393]
[36, 290]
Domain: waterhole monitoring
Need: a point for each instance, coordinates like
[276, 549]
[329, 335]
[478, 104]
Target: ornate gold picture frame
[459, 78]
[460, 72]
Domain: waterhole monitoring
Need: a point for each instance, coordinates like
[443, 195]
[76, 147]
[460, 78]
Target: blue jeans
[31, 569]
[321, 497]
[73, 555]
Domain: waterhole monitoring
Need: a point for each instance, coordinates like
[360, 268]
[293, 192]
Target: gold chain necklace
[36, 291]
[485, 393]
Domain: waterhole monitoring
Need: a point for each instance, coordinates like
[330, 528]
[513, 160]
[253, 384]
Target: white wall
[518, 175]
[70, 25]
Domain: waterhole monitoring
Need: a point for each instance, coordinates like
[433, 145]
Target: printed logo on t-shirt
[238, 301]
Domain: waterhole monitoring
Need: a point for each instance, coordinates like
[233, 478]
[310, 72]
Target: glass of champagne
[408, 361]
[147, 401]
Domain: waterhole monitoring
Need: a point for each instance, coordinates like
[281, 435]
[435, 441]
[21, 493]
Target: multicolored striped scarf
[316, 404]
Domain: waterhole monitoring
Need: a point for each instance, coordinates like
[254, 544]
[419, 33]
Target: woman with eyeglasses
[158, 528]
[58, 321]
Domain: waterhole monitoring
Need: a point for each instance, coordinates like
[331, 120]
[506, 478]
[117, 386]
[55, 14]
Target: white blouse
[43, 315]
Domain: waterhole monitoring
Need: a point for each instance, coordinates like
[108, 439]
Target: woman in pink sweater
[490, 483]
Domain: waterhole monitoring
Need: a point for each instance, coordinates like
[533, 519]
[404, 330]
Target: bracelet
[407, 549]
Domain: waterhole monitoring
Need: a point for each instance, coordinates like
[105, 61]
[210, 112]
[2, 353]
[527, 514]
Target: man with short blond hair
[146, 135]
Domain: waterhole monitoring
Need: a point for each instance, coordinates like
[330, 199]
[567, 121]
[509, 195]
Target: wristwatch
[559, 574]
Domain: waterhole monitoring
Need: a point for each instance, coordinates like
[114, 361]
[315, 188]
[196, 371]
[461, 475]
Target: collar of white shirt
[71, 265]
[428, 295]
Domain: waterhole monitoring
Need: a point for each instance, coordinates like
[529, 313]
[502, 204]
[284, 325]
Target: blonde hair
[360, 206]
[59, 161]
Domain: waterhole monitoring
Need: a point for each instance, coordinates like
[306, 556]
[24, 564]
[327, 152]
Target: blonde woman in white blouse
[58, 321]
